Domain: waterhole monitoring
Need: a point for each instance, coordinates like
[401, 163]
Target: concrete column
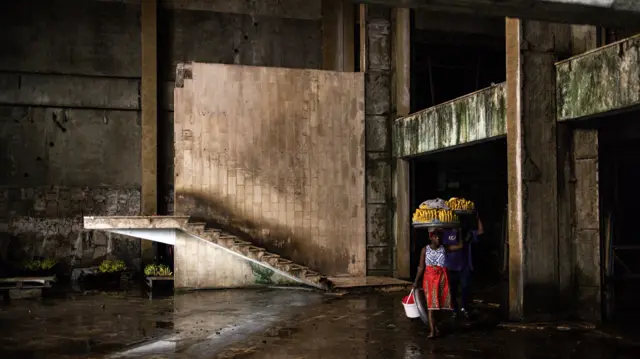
[532, 49]
[149, 105]
[578, 205]
[338, 25]
[586, 239]
[377, 55]
[402, 100]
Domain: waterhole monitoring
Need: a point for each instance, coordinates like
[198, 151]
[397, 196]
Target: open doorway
[619, 176]
[477, 172]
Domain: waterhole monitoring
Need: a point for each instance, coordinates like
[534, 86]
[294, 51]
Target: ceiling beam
[610, 13]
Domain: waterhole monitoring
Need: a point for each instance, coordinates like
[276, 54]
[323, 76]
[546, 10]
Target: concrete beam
[293, 9]
[69, 91]
[601, 81]
[614, 13]
[478, 116]
[458, 23]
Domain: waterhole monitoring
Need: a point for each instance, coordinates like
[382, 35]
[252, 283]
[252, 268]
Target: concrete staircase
[163, 229]
[257, 254]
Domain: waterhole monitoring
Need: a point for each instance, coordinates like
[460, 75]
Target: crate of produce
[425, 217]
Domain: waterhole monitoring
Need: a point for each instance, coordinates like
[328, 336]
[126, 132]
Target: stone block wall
[70, 107]
[378, 110]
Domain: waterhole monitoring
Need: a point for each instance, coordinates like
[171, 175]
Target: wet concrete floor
[269, 324]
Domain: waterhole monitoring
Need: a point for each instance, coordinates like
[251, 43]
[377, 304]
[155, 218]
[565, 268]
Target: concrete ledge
[600, 81]
[474, 117]
[126, 222]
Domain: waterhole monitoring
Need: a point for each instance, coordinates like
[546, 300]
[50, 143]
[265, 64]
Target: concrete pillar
[402, 101]
[578, 205]
[149, 105]
[586, 239]
[338, 25]
[532, 49]
[377, 60]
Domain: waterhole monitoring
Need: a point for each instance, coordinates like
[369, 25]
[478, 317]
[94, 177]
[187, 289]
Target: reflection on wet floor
[268, 324]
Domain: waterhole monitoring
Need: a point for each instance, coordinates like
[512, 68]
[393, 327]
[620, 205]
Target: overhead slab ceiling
[613, 13]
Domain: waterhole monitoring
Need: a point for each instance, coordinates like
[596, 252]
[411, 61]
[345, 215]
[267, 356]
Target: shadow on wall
[273, 237]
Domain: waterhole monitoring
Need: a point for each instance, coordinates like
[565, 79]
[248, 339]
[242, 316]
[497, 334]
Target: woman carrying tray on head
[434, 275]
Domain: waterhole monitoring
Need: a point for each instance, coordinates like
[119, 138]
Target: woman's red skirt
[436, 288]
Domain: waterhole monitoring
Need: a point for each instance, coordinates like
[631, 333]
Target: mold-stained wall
[478, 116]
[70, 108]
[277, 155]
[600, 81]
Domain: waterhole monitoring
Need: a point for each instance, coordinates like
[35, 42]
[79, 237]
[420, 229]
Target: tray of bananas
[461, 206]
[429, 217]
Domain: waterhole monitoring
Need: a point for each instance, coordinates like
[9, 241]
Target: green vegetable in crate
[163, 271]
[150, 270]
[109, 266]
[32, 265]
[48, 264]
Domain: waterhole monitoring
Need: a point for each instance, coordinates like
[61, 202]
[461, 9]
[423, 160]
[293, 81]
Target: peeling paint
[478, 116]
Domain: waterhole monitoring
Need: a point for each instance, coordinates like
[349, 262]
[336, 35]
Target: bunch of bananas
[422, 215]
[460, 204]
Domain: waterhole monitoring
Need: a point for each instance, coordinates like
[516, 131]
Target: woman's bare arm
[421, 267]
[480, 227]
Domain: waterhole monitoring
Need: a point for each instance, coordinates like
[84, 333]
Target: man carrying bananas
[459, 266]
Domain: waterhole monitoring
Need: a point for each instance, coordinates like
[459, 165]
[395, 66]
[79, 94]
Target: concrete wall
[278, 155]
[69, 106]
[69, 127]
[200, 264]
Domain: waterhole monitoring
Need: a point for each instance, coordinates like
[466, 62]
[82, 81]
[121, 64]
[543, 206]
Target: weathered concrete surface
[378, 110]
[200, 264]
[271, 324]
[135, 222]
[47, 222]
[478, 116]
[70, 118]
[295, 190]
[586, 239]
[101, 325]
[614, 13]
[532, 50]
[600, 81]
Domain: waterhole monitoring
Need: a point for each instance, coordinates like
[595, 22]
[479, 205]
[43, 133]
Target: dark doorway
[619, 179]
[477, 172]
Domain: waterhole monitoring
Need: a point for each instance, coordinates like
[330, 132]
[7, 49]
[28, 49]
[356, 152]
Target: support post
[532, 49]
[578, 205]
[149, 107]
[379, 114]
[402, 99]
[338, 25]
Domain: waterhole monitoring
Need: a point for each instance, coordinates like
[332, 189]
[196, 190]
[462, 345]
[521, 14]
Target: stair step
[260, 254]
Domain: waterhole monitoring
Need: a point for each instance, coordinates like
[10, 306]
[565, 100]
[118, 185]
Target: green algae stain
[262, 275]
